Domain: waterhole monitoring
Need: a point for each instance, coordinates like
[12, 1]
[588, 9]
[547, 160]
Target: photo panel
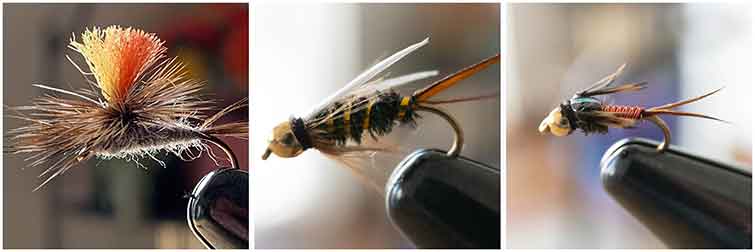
[625, 127]
[125, 125]
[354, 110]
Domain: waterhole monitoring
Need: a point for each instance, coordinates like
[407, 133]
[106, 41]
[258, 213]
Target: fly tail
[463, 99]
[688, 101]
[667, 109]
[680, 113]
[451, 80]
[233, 129]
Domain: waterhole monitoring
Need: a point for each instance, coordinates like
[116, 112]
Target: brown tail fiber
[451, 80]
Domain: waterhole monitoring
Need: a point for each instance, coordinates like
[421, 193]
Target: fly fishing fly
[139, 103]
[341, 122]
[584, 111]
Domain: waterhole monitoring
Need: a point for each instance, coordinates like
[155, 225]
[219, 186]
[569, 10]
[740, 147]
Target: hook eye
[455, 149]
[218, 209]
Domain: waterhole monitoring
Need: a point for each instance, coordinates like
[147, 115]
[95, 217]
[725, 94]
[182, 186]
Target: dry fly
[584, 111]
[341, 122]
[139, 103]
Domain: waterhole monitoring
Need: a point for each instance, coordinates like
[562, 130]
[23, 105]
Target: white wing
[365, 76]
[382, 85]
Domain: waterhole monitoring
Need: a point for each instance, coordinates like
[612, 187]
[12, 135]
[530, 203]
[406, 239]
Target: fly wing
[603, 86]
[391, 83]
[617, 89]
[606, 81]
[365, 77]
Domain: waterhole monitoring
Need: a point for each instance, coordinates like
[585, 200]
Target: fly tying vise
[591, 115]
[369, 106]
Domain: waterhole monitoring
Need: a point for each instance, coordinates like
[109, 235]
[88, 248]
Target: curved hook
[458, 134]
[666, 132]
[223, 146]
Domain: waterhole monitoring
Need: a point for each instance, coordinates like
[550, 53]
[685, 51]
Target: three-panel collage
[257, 125]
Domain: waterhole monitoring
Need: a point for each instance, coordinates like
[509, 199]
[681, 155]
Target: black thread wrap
[300, 133]
[566, 110]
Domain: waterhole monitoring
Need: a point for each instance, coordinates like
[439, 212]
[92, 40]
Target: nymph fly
[584, 111]
[339, 124]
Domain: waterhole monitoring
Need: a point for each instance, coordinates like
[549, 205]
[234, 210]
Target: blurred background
[554, 195]
[113, 203]
[305, 52]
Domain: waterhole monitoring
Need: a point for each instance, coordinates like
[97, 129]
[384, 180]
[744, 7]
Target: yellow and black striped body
[376, 114]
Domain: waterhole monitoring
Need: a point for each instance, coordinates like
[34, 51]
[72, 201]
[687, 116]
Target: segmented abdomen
[376, 115]
[630, 112]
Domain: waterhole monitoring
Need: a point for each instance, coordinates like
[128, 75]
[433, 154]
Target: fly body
[376, 115]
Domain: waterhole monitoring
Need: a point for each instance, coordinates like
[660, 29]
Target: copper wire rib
[637, 113]
[630, 112]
